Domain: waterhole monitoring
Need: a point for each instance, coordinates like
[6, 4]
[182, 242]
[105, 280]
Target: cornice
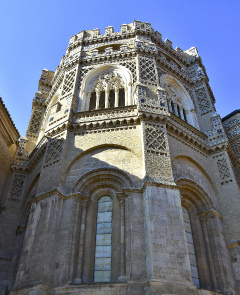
[8, 123]
[191, 136]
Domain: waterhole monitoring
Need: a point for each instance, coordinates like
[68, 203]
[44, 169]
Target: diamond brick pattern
[223, 168]
[68, 82]
[147, 71]
[155, 140]
[203, 102]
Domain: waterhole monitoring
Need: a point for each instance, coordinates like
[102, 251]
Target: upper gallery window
[107, 91]
[180, 102]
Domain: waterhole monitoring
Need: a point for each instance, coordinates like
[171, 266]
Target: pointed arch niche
[104, 87]
[179, 100]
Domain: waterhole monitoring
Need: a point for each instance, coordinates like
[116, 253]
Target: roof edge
[231, 114]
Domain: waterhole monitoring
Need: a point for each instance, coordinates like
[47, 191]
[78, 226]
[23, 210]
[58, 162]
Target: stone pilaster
[167, 261]
[79, 264]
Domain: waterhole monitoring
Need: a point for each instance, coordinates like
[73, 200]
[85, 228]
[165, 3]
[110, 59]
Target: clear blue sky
[34, 35]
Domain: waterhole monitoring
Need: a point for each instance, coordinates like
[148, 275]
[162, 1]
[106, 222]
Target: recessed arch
[197, 202]
[107, 157]
[103, 177]
[194, 196]
[178, 95]
[121, 72]
[96, 148]
[179, 160]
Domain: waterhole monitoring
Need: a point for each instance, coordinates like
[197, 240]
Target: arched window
[103, 247]
[172, 105]
[111, 99]
[93, 99]
[102, 100]
[58, 108]
[121, 94]
[112, 85]
[178, 109]
[190, 245]
[176, 92]
[184, 114]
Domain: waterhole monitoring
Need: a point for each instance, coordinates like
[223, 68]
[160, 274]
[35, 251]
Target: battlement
[128, 31]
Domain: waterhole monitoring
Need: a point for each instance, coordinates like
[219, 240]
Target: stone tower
[125, 181]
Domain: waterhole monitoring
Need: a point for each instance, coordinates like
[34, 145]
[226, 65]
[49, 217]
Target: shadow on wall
[104, 170]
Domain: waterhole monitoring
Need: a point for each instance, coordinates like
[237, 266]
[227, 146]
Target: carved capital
[205, 215]
[202, 216]
[121, 198]
[85, 202]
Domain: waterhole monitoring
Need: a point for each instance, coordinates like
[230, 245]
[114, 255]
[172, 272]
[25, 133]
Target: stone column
[221, 259]
[181, 113]
[97, 99]
[128, 96]
[170, 106]
[116, 97]
[106, 98]
[78, 278]
[122, 277]
[175, 111]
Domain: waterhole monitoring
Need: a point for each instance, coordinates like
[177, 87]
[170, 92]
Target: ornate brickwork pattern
[155, 140]
[83, 72]
[17, 188]
[147, 71]
[203, 101]
[35, 122]
[236, 148]
[54, 151]
[68, 82]
[232, 123]
[234, 132]
[223, 168]
[131, 65]
[157, 160]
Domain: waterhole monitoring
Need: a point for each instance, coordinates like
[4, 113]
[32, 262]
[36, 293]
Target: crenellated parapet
[138, 31]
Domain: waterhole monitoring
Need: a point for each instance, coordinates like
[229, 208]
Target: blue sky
[34, 35]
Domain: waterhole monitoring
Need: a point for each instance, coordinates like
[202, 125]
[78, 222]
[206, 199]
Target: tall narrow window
[178, 109]
[172, 105]
[184, 114]
[102, 100]
[103, 248]
[121, 96]
[190, 245]
[111, 99]
[58, 108]
[92, 104]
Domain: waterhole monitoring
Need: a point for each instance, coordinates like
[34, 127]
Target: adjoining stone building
[125, 182]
